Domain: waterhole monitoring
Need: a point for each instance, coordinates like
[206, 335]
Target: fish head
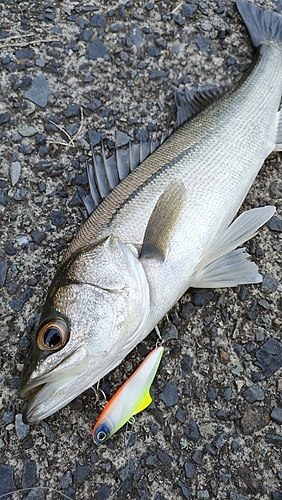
[96, 311]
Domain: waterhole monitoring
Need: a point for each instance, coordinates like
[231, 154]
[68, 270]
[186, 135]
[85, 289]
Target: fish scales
[165, 227]
[227, 133]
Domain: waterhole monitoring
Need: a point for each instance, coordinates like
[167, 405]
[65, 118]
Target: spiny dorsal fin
[163, 221]
[106, 173]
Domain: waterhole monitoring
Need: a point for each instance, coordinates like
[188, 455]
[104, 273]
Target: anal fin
[225, 266]
[231, 269]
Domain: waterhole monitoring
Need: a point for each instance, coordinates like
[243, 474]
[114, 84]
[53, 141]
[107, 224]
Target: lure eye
[53, 336]
[101, 434]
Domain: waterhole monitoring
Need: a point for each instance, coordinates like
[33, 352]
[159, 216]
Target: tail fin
[262, 24]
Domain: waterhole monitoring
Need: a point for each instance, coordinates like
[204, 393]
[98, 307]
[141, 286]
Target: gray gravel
[214, 429]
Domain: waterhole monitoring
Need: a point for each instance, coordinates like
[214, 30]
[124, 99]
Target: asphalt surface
[214, 429]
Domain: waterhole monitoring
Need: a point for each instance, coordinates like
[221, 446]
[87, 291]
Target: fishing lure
[131, 398]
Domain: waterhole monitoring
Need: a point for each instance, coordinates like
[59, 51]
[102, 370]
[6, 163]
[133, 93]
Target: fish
[159, 227]
[131, 398]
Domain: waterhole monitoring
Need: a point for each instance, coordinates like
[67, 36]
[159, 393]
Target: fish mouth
[48, 392]
[44, 399]
[30, 392]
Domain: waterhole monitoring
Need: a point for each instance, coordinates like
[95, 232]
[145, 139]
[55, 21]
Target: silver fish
[165, 227]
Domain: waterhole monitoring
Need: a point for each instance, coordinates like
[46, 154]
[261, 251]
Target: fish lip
[28, 392]
[40, 391]
[34, 393]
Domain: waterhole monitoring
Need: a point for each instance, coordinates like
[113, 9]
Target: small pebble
[269, 284]
[57, 217]
[227, 393]
[3, 272]
[275, 439]
[22, 429]
[29, 475]
[254, 393]
[192, 431]
[66, 479]
[158, 74]
[5, 117]
[237, 370]
[202, 298]
[224, 356]
[15, 172]
[203, 495]
[208, 430]
[48, 433]
[72, 110]
[38, 236]
[234, 445]
[185, 492]
[211, 395]
[238, 496]
[253, 419]
[275, 224]
[197, 457]
[96, 50]
[219, 441]
[203, 43]
[221, 414]
[27, 131]
[169, 332]
[276, 495]
[17, 304]
[164, 457]
[181, 415]
[9, 413]
[170, 394]
[187, 310]
[186, 365]
[80, 473]
[269, 357]
[103, 493]
[260, 336]
[7, 484]
[94, 137]
[20, 194]
[188, 10]
[276, 415]
[98, 21]
[39, 91]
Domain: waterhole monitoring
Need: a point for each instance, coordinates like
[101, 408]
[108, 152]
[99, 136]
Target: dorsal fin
[104, 174]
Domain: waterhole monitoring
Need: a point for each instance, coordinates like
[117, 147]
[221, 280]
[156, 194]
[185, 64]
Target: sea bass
[165, 227]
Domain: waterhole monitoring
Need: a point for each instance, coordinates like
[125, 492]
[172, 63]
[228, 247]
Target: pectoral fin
[224, 266]
[163, 221]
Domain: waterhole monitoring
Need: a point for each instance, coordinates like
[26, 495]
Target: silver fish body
[164, 228]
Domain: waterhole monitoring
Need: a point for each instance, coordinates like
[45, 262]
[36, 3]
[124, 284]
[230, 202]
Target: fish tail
[263, 25]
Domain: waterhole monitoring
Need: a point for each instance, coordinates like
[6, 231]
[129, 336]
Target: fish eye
[101, 434]
[53, 335]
